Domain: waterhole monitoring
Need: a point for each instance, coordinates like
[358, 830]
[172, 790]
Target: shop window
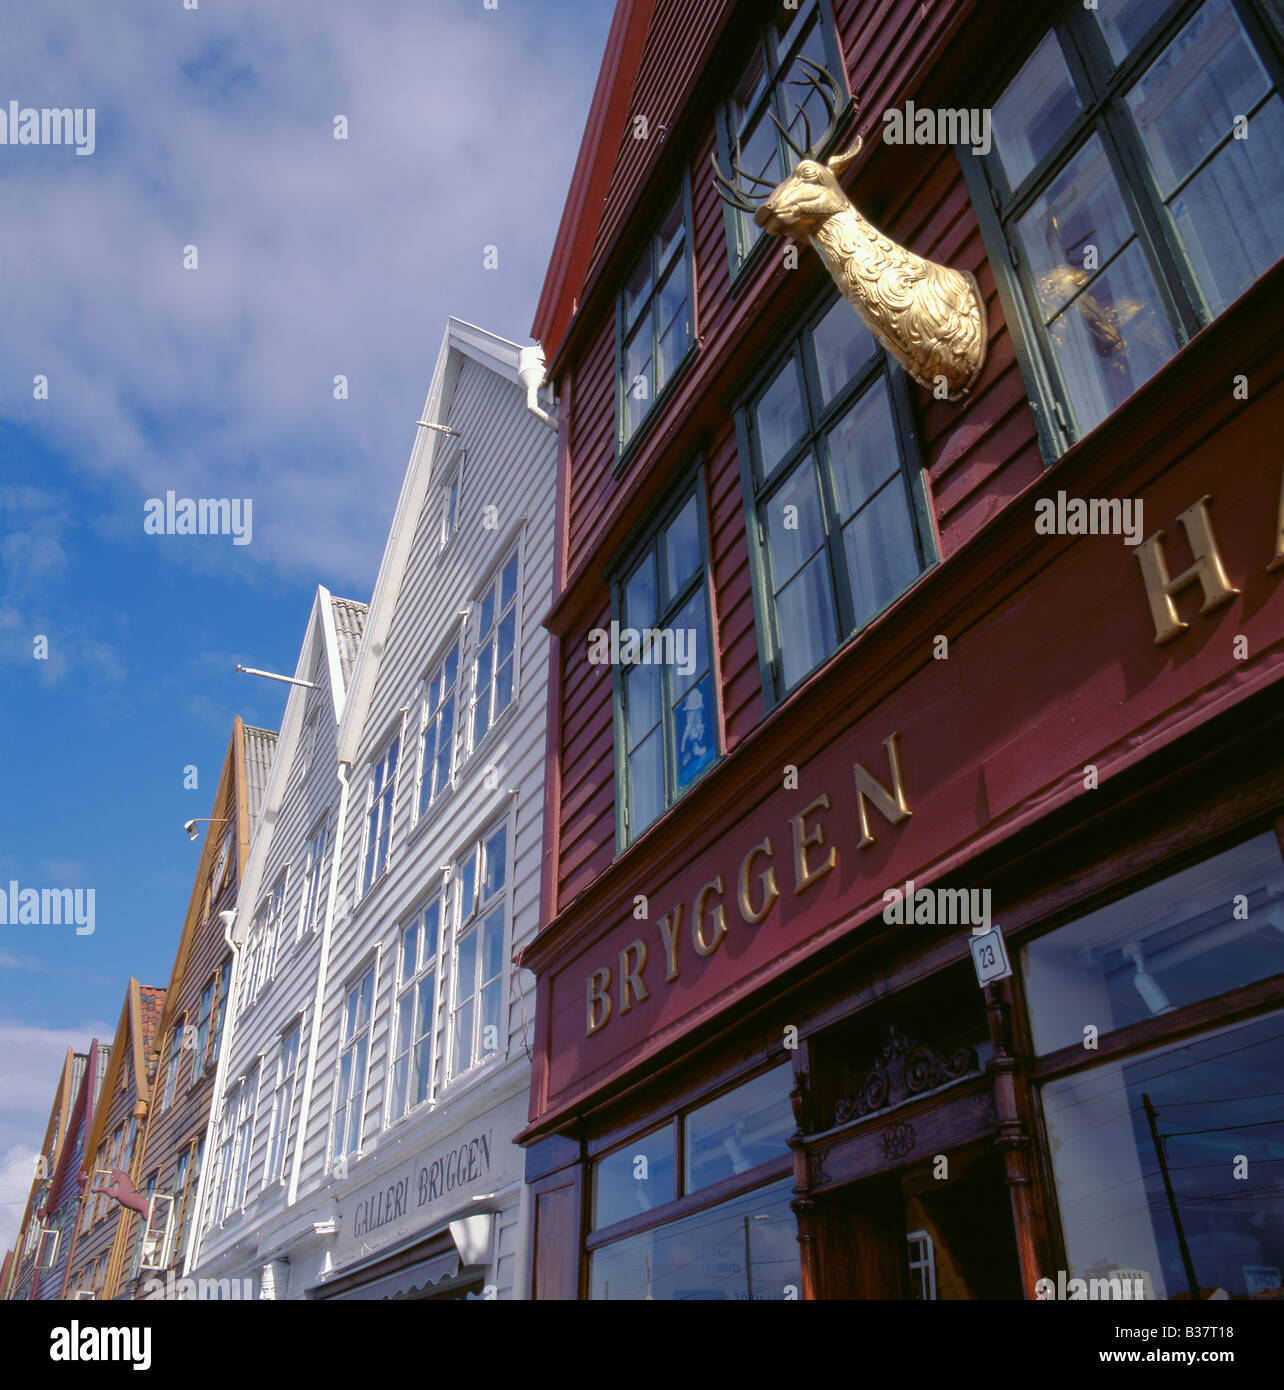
[744, 1248]
[1201, 932]
[835, 494]
[478, 1029]
[774, 83]
[437, 732]
[1134, 189]
[654, 328]
[279, 1132]
[495, 662]
[739, 1130]
[666, 722]
[635, 1178]
[379, 795]
[350, 1077]
[416, 1013]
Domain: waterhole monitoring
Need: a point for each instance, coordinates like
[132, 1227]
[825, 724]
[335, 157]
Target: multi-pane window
[272, 923]
[204, 1015]
[350, 1080]
[185, 1198]
[654, 319]
[494, 665]
[1138, 177]
[175, 1055]
[481, 904]
[437, 731]
[379, 794]
[313, 892]
[774, 83]
[448, 500]
[136, 1258]
[666, 718]
[416, 1013]
[222, 983]
[835, 494]
[246, 1105]
[287, 1070]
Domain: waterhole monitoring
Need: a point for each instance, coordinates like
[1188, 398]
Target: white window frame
[383, 804]
[468, 918]
[313, 878]
[280, 1126]
[430, 719]
[163, 1203]
[490, 638]
[274, 914]
[409, 986]
[450, 496]
[46, 1249]
[348, 1045]
[243, 1140]
[920, 1245]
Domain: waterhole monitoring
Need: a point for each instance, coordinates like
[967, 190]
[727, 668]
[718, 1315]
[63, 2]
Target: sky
[132, 366]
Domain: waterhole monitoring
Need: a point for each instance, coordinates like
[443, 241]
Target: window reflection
[739, 1130]
[634, 1178]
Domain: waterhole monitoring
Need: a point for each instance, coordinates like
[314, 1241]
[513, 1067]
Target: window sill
[497, 727]
[434, 812]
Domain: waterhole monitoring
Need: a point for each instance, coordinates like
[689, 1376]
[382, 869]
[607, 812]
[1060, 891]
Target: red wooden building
[758, 1073]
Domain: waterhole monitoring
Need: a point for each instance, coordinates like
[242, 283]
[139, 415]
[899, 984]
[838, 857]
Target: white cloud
[17, 1170]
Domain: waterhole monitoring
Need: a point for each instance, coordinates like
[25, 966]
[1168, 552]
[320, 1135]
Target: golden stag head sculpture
[929, 317]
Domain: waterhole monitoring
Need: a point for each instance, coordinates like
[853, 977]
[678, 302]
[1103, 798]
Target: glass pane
[738, 1131]
[508, 583]
[487, 613]
[690, 645]
[463, 1040]
[432, 915]
[507, 629]
[484, 659]
[491, 1034]
[1205, 1106]
[1171, 944]
[693, 731]
[634, 1179]
[806, 620]
[1125, 21]
[795, 529]
[466, 979]
[496, 857]
[797, 101]
[1075, 226]
[646, 782]
[422, 1071]
[467, 887]
[639, 595]
[400, 1072]
[681, 549]
[882, 558]
[787, 23]
[748, 90]
[759, 155]
[673, 346]
[405, 1021]
[1036, 107]
[843, 345]
[452, 667]
[862, 450]
[1230, 216]
[637, 289]
[409, 945]
[493, 945]
[1189, 96]
[642, 700]
[639, 387]
[743, 1249]
[779, 417]
[669, 237]
[1112, 338]
[424, 1006]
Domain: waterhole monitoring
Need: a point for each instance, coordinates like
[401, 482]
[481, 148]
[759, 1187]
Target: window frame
[387, 797]
[692, 483]
[174, 1062]
[625, 448]
[743, 262]
[464, 925]
[441, 898]
[356, 983]
[280, 1136]
[819, 419]
[514, 550]
[1101, 86]
[436, 671]
[314, 887]
[449, 497]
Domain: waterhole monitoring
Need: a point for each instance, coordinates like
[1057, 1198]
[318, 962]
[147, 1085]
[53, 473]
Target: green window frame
[746, 134]
[654, 327]
[828, 454]
[1091, 210]
[650, 591]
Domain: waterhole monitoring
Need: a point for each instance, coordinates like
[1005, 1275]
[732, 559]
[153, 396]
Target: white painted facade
[405, 1181]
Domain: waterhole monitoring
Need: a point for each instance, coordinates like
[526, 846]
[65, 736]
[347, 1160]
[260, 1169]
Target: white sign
[990, 956]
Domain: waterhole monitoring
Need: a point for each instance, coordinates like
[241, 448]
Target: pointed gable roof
[128, 1057]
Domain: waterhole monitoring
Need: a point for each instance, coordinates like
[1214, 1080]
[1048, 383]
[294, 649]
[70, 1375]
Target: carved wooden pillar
[803, 1207]
[1013, 1139]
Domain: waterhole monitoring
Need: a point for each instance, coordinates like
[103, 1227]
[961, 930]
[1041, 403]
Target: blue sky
[317, 257]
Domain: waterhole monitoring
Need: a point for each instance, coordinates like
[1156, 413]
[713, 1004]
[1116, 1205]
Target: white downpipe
[530, 368]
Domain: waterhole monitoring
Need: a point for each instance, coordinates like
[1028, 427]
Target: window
[307, 743]
[481, 905]
[744, 1247]
[287, 1070]
[350, 1080]
[271, 917]
[175, 1055]
[204, 1014]
[242, 1141]
[448, 501]
[1165, 1141]
[185, 1197]
[416, 1013]
[835, 490]
[222, 983]
[654, 319]
[313, 893]
[666, 725]
[140, 1233]
[379, 794]
[218, 875]
[437, 732]
[746, 133]
[1138, 179]
[494, 666]
[922, 1266]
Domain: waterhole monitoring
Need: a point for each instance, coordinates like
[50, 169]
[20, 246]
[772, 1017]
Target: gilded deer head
[930, 317]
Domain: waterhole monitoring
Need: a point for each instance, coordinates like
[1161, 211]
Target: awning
[407, 1282]
[417, 1267]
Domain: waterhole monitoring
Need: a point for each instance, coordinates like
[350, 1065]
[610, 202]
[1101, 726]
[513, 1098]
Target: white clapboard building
[414, 1043]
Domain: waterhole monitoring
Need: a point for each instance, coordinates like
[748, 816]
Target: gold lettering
[804, 876]
[603, 976]
[768, 878]
[719, 919]
[1278, 561]
[1207, 570]
[892, 805]
[670, 925]
[632, 978]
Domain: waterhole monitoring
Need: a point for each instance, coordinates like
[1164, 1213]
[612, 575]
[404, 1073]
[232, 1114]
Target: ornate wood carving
[898, 1140]
[904, 1068]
